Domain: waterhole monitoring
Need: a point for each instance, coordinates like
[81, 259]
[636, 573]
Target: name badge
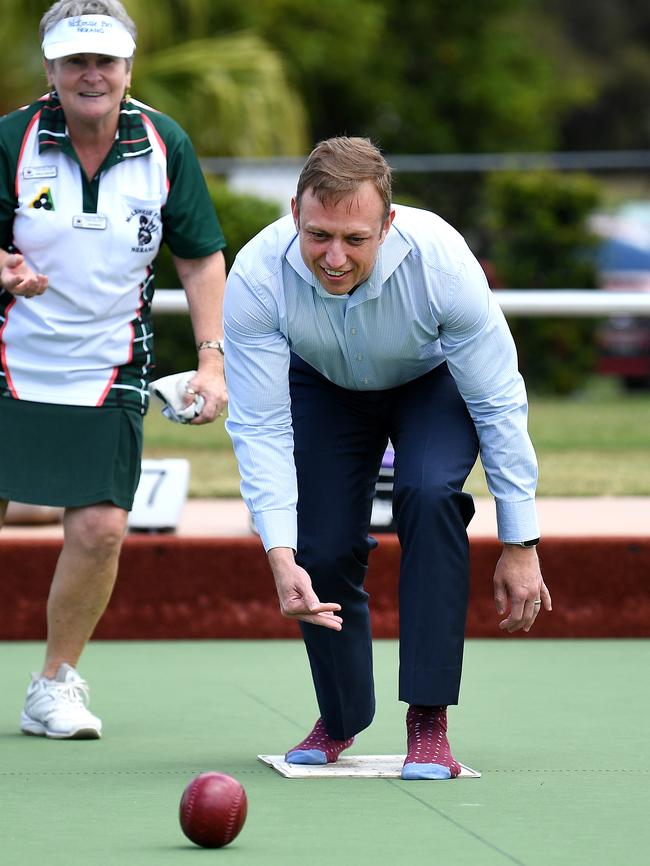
[89, 221]
[33, 172]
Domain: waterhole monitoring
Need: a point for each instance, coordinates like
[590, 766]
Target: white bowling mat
[357, 766]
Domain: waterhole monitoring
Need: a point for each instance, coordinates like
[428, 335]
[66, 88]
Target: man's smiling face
[340, 239]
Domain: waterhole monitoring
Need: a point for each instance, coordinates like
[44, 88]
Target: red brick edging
[173, 587]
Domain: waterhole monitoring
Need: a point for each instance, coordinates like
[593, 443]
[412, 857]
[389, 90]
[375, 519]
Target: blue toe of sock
[306, 756]
[425, 771]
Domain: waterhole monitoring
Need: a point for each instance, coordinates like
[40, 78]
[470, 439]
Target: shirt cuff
[517, 521]
[277, 528]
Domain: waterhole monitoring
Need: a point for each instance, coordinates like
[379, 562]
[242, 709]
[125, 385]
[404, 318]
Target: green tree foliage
[540, 239]
[268, 77]
[611, 40]
[424, 77]
[461, 77]
[427, 76]
[229, 92]
[332, 49]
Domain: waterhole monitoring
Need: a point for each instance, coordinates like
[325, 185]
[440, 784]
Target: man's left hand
[519, 589]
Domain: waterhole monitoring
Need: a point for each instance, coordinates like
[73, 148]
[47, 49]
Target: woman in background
[91, 183]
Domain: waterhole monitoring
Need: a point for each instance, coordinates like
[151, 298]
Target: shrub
[241, 218]
[537, 225]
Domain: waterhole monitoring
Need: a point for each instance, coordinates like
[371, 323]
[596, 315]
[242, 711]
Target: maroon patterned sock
[429, 754]
[317, 748]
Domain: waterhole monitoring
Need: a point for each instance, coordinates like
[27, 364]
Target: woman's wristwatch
[533, 542]
[210, 344]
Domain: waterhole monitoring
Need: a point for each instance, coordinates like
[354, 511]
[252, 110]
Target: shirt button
[353, 332]
[359, 357]
[365, 381]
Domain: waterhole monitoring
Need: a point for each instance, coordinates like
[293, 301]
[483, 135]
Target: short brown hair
[338, 166]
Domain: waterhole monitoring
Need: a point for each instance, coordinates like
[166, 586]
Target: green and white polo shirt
[87, 341]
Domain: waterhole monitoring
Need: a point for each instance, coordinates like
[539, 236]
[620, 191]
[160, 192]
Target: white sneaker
[57, 708]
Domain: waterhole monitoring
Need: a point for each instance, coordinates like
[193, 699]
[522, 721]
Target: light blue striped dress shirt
[425, 302]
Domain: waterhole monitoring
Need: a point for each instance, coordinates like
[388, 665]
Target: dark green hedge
[539, 239]
[241, 217]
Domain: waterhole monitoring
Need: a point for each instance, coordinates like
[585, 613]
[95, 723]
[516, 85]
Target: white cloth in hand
[171, 390]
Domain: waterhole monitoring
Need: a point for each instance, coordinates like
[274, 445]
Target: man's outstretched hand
[297, 597]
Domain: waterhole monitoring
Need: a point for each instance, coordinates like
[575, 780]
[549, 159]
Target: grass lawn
[593, 444]
[534, 720]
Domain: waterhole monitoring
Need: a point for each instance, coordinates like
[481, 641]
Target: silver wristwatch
[210, 344]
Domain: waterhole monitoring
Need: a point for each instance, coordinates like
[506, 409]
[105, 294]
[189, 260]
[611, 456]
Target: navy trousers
[340, 436]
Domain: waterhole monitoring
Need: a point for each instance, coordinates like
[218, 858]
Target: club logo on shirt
[43, 200]
[146, 225]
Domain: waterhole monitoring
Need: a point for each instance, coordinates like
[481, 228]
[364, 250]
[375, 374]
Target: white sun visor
[88, 34]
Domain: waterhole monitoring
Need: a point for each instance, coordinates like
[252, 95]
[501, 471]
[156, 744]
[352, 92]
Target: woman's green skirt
[69, 456]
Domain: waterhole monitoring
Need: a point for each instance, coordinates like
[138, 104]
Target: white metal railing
[583, 303]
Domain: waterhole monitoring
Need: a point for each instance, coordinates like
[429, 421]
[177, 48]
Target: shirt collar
[131, 138]
[393, 251]
[296, 261]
